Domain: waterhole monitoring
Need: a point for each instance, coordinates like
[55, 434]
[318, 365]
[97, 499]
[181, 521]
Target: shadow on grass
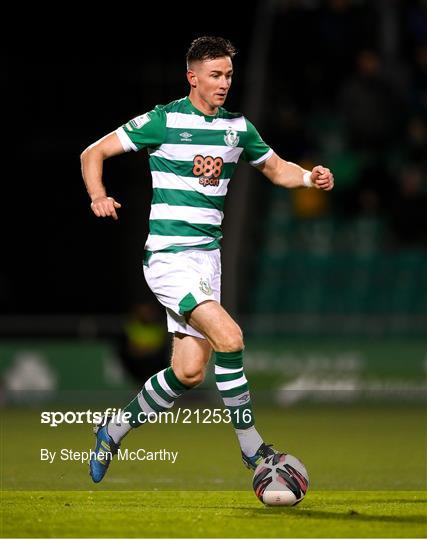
[350, 515]
[399, 501]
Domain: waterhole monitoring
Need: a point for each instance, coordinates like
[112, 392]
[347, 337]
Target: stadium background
[330, 289]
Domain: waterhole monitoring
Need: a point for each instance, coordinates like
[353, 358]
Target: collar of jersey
[208, 118]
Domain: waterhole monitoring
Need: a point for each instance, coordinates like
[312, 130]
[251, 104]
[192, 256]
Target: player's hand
[322, 178]
[105, 207]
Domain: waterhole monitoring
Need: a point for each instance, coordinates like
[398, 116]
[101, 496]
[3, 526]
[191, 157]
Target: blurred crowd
[350, 91]
[346, 87]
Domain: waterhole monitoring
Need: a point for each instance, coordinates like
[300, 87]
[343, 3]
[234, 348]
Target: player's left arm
[289, 175]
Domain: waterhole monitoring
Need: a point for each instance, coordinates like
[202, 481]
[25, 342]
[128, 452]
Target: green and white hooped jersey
[192, 157]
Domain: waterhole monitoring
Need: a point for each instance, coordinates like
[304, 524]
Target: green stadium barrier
[39, 370]
[280, 370]
[338, 369]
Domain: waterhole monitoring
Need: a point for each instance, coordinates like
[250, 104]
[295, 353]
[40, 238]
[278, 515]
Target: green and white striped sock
[233, 387]
[158, 394]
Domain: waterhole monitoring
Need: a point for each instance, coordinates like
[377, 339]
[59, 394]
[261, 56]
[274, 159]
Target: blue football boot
[263, 452]
[101, 457]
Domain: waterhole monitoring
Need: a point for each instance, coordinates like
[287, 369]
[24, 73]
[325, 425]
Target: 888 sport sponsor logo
[208, 169]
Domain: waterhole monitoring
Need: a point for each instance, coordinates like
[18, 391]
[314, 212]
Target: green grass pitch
[367, 466]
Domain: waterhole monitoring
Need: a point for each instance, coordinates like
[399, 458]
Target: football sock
[233, 387]
[250, 440]
[158, 394]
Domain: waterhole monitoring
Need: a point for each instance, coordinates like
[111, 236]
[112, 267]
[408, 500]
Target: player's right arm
[92, 161]
[146, 130]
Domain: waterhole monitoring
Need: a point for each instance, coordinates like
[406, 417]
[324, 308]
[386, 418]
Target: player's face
[210, 81]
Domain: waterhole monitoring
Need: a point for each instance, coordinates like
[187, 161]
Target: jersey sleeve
[255, 150]
[145, 131]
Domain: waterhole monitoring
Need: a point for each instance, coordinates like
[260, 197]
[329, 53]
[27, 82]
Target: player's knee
[192, 376]
[231, 342]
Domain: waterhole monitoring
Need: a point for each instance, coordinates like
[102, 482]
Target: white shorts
[183, 280]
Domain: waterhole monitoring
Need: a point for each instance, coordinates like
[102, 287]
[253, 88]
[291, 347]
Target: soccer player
[194, 145]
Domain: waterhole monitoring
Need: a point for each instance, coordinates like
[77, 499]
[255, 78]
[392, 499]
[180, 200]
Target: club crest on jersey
[231, 137]
[205, 286]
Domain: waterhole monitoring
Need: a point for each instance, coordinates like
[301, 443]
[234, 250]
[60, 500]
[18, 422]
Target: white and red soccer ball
[280, 480]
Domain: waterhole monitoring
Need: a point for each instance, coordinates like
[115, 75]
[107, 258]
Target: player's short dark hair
[209, 48]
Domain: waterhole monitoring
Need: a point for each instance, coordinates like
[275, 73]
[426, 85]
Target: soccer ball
[280, 480]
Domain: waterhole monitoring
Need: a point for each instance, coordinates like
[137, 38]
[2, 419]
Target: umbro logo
[185, 136]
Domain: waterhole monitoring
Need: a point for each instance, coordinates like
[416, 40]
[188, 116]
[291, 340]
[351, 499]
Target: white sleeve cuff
[262, 158]
[125, 140]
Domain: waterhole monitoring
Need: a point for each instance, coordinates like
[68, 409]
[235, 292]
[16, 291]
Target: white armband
[307, 179]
